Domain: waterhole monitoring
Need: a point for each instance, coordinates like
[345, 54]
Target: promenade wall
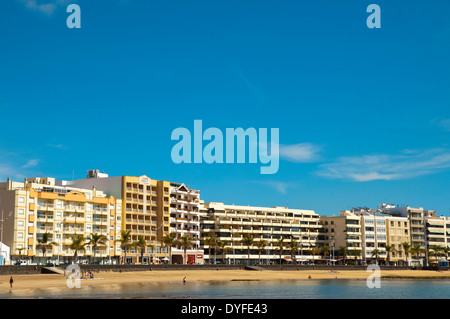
[30, 269]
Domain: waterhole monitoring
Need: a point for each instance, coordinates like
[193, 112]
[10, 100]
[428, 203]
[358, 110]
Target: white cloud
[404, 165]
[31, 163]
[281, 187]
[47, 7]
[303, 152]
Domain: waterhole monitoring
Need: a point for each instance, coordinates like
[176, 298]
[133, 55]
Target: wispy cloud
[404, 165]
[443, 123]
[302, 153]
[31, 163]
[280, 187]
[47, 7]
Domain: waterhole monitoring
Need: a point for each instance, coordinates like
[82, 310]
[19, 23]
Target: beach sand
[48, 281]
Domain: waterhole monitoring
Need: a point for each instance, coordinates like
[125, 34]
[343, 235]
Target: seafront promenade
[38, 269]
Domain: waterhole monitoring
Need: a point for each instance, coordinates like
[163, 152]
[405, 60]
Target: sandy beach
[48, 281]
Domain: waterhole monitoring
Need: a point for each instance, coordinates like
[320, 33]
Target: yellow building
[145, 212]
[398, 232]
[344, 230]
[37, 207]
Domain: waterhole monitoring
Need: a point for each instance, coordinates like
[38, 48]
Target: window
[20, 223]
[20, 235]
[21, 212]
[21, 200]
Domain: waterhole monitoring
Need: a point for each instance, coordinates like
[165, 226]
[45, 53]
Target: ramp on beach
[52, 270]
[254, 268]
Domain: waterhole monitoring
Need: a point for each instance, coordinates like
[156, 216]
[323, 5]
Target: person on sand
[309, 277]
[184, 280]
[11, 281]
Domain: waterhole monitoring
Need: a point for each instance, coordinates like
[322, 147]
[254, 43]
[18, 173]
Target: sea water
[273, 289]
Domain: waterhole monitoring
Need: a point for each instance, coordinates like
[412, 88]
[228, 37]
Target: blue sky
[363, 114]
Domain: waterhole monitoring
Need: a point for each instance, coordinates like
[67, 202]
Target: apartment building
[145, 211]
[231, 223]
[398, 229]
[344, 230]
[437, 235]
[185, 222]
[417, 222]
[38, 206]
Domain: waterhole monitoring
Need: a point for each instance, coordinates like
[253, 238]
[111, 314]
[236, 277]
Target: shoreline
[33, 283]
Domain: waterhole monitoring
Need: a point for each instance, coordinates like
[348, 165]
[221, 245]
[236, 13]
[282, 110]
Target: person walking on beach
[184, 280]
[11, 281]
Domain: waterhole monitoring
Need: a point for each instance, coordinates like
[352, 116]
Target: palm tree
[376, 254]
[44, 244]
[416, 250]
[260, 244]
[95, 241]
[78, 243]
[293, 247]
[389, 250]
[356, 253]
[315, 251]
[141, 244]
[280, 244]
[436, 251]
[325, 251]
[211, 242]
[222, 246]
[445, 250]
[185, 242]
[169, 240]
[248, 241]
[124, 242]
[407, 249]
[343, 250]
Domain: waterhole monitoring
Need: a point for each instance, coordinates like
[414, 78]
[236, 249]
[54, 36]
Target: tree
[44, 244]
[407, 249]
[248, 241]
[169, 240]
[445, 250]
[376, 255]
[210, 242]
[436, 251]
[293, 247]
[416, 250]
[141, 244]
[356, 253]
[97, 240]
[389, 250]
[125, 242]
[185, 242]
[343, 251]
[78, 243]
[280, 244]
[315, 251]
[222, 246]
[260, 244]
[325, 251]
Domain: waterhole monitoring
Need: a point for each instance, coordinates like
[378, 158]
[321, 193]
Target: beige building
[344, 230]
[231, 223]
[37, 206]
[398, 229]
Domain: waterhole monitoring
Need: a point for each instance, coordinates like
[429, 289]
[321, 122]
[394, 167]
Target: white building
[5, 254]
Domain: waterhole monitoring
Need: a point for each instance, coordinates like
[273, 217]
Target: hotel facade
[37, 206]
[145, 212]
[229, 224]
